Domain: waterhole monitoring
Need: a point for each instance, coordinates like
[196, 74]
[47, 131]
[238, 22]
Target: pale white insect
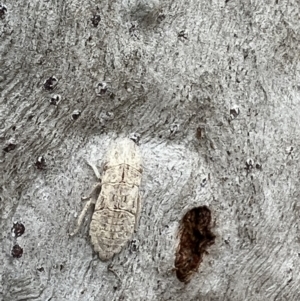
[117, 206]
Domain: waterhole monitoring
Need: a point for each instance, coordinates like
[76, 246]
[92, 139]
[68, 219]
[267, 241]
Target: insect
[195, 236]
[117, 205]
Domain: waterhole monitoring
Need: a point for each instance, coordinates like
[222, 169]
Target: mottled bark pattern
[195, 236]
[228, 68]
[117, 207]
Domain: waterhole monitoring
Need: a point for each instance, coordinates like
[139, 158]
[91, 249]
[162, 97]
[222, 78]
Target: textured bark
[213, 89]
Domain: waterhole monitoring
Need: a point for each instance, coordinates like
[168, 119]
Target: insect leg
[81, 217]
[138, 212]
[92, 200]
[94, 194]
[95, 169]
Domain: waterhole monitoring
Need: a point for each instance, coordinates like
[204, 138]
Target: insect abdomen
[110, 230]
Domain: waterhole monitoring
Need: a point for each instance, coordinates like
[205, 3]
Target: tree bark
[212, 87]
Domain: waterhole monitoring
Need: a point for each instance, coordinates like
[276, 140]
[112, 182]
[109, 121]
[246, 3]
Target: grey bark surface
[171, 67]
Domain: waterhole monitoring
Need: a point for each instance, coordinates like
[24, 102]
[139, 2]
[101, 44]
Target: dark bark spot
[40, 163]
[249, 164]
[258, 166]
[9, 147]
[55, 100]
[182, 34]
[234, 112]
[199, 133]
[50, 83]
[18, 229]
[17, 251]
[76, 114]
[101, 88]
[3, 11]
[195, 237]
[95, 20]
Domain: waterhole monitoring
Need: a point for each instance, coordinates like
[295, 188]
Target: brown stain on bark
[195, 237]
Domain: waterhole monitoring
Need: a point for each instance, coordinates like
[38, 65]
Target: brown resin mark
[195, 237]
